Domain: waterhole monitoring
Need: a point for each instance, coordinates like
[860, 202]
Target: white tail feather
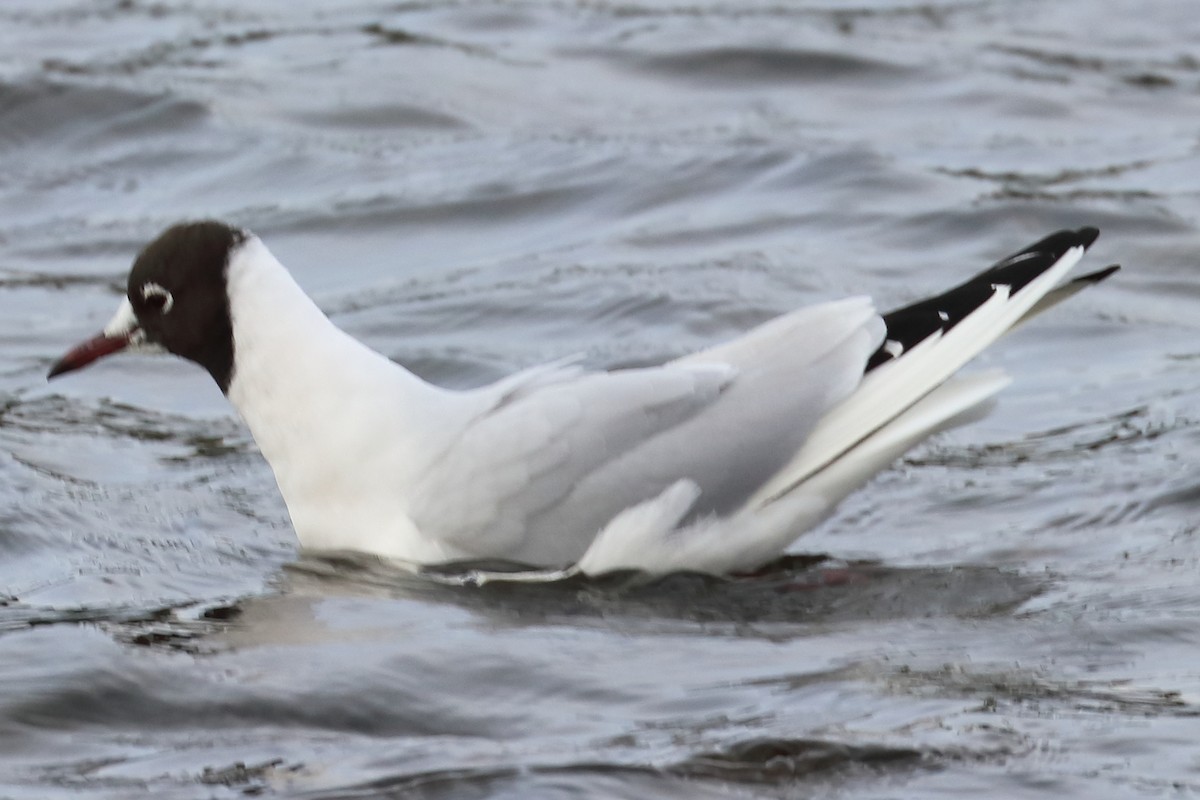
[955, 402]
[893, 387]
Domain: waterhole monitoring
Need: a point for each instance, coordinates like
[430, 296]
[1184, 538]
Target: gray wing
[525, 455]
[537, 476]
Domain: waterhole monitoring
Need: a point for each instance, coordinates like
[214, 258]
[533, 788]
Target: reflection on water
[473, 188]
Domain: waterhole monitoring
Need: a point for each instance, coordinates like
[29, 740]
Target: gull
[714, 462]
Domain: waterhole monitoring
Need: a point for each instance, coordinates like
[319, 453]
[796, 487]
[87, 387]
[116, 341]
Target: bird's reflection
[315, 598]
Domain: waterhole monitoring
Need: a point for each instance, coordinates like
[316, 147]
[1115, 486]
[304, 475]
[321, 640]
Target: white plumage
[714, 462]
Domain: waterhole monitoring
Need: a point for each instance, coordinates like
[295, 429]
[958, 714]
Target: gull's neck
[325, 409]
[287, 352]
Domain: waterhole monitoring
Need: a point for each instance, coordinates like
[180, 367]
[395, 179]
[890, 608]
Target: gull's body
[713, 462]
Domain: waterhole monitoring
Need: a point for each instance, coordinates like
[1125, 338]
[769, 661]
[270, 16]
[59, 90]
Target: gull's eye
[156, 298]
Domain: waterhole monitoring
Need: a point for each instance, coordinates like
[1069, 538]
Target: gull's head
[176, 301]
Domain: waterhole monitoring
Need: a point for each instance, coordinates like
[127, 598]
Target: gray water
[1012, 611]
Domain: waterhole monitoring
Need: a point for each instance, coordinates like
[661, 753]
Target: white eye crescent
[154, 290]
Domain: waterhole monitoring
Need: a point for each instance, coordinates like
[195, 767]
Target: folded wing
[550, 464]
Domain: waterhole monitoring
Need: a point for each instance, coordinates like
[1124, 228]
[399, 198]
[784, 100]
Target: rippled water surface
[1012, 611]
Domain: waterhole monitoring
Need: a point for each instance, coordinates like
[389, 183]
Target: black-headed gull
[714, 462]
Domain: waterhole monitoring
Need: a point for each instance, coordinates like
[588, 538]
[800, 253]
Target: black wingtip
[912, 324]
[1087, 236]
[1098, 275]
[1053, 247]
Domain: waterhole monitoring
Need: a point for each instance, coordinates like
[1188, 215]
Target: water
[476, 187]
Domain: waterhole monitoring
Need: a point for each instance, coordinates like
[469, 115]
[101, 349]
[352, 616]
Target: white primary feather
[897, 384]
